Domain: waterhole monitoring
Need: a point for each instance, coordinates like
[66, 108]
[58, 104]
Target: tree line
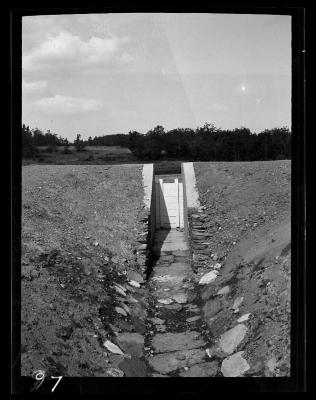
[32, 139]
[204, 143]
[210, 143]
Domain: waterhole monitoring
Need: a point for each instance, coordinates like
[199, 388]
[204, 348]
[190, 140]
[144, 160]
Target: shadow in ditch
[154, 252]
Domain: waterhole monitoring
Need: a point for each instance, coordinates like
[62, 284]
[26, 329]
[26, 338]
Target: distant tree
[156, 142]
[158, 131]
[79, 144]
[29, 150]
[274, 144]
[66, 147]
[134, 138]
[39, 137]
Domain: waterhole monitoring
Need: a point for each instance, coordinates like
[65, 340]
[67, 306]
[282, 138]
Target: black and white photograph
[156, 196]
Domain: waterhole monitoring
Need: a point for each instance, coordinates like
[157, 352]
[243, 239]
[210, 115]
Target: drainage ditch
[176, 338]
[161, 330]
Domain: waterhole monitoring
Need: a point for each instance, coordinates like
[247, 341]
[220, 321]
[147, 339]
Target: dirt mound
[81, 227]
[247, 209]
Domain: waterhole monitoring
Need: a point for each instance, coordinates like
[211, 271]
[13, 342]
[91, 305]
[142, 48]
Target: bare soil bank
[247, 206]
[80, 227]
[82, 231]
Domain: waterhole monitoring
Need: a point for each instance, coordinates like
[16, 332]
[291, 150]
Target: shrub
[29, 151]
[40, 158]
[67, 150]
[89, 158]
[79, 144]
[50, 149]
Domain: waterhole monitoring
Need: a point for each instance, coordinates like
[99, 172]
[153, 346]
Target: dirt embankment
[83, 240]
[81, 230]
[246, 213]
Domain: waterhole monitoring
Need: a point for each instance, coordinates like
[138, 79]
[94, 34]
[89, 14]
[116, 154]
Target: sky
[99, 74]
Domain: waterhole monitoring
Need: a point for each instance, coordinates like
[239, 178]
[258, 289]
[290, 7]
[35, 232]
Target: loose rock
[180, 298]
[224, 290]
[115, 372]
[113, 348]
[201, 370]
[120, 291]
[234, 365]
[231, 339]
[167, 362]
[237, 303]
[135, 276]
[157, 321]
[192, 319]
[120, 310]
[244, 317]
[134, 283]
[133, 367]
[208, 278]
[165, 301]
[131, 343]
[177, 341]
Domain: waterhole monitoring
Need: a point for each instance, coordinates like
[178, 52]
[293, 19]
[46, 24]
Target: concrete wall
[188, 175]
[190, 195]
[148, 175]
[152, 213]
[147, 234]
[185, 202]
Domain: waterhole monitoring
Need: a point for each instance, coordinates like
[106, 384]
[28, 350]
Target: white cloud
[66, 105]
[66, 48]
[31, 87]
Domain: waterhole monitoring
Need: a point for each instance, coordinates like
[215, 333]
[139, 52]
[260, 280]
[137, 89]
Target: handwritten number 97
[40, 377]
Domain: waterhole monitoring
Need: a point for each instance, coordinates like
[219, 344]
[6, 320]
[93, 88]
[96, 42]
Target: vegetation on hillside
[209, 143]
[206, 143]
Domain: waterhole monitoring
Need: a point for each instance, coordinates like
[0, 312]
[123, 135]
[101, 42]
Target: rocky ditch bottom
[175, 345]
[171, 339]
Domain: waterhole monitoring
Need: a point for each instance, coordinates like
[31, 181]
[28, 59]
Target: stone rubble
[224, 290]
[237, 304]
[208, 278]
[163, 333]
[113, 348]
[231, 339]
[244, 317]
[234, 365]
[176, 349]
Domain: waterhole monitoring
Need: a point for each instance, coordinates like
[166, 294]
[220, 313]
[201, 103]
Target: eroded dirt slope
[246, 212]
[80, 227]
[86, 308]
